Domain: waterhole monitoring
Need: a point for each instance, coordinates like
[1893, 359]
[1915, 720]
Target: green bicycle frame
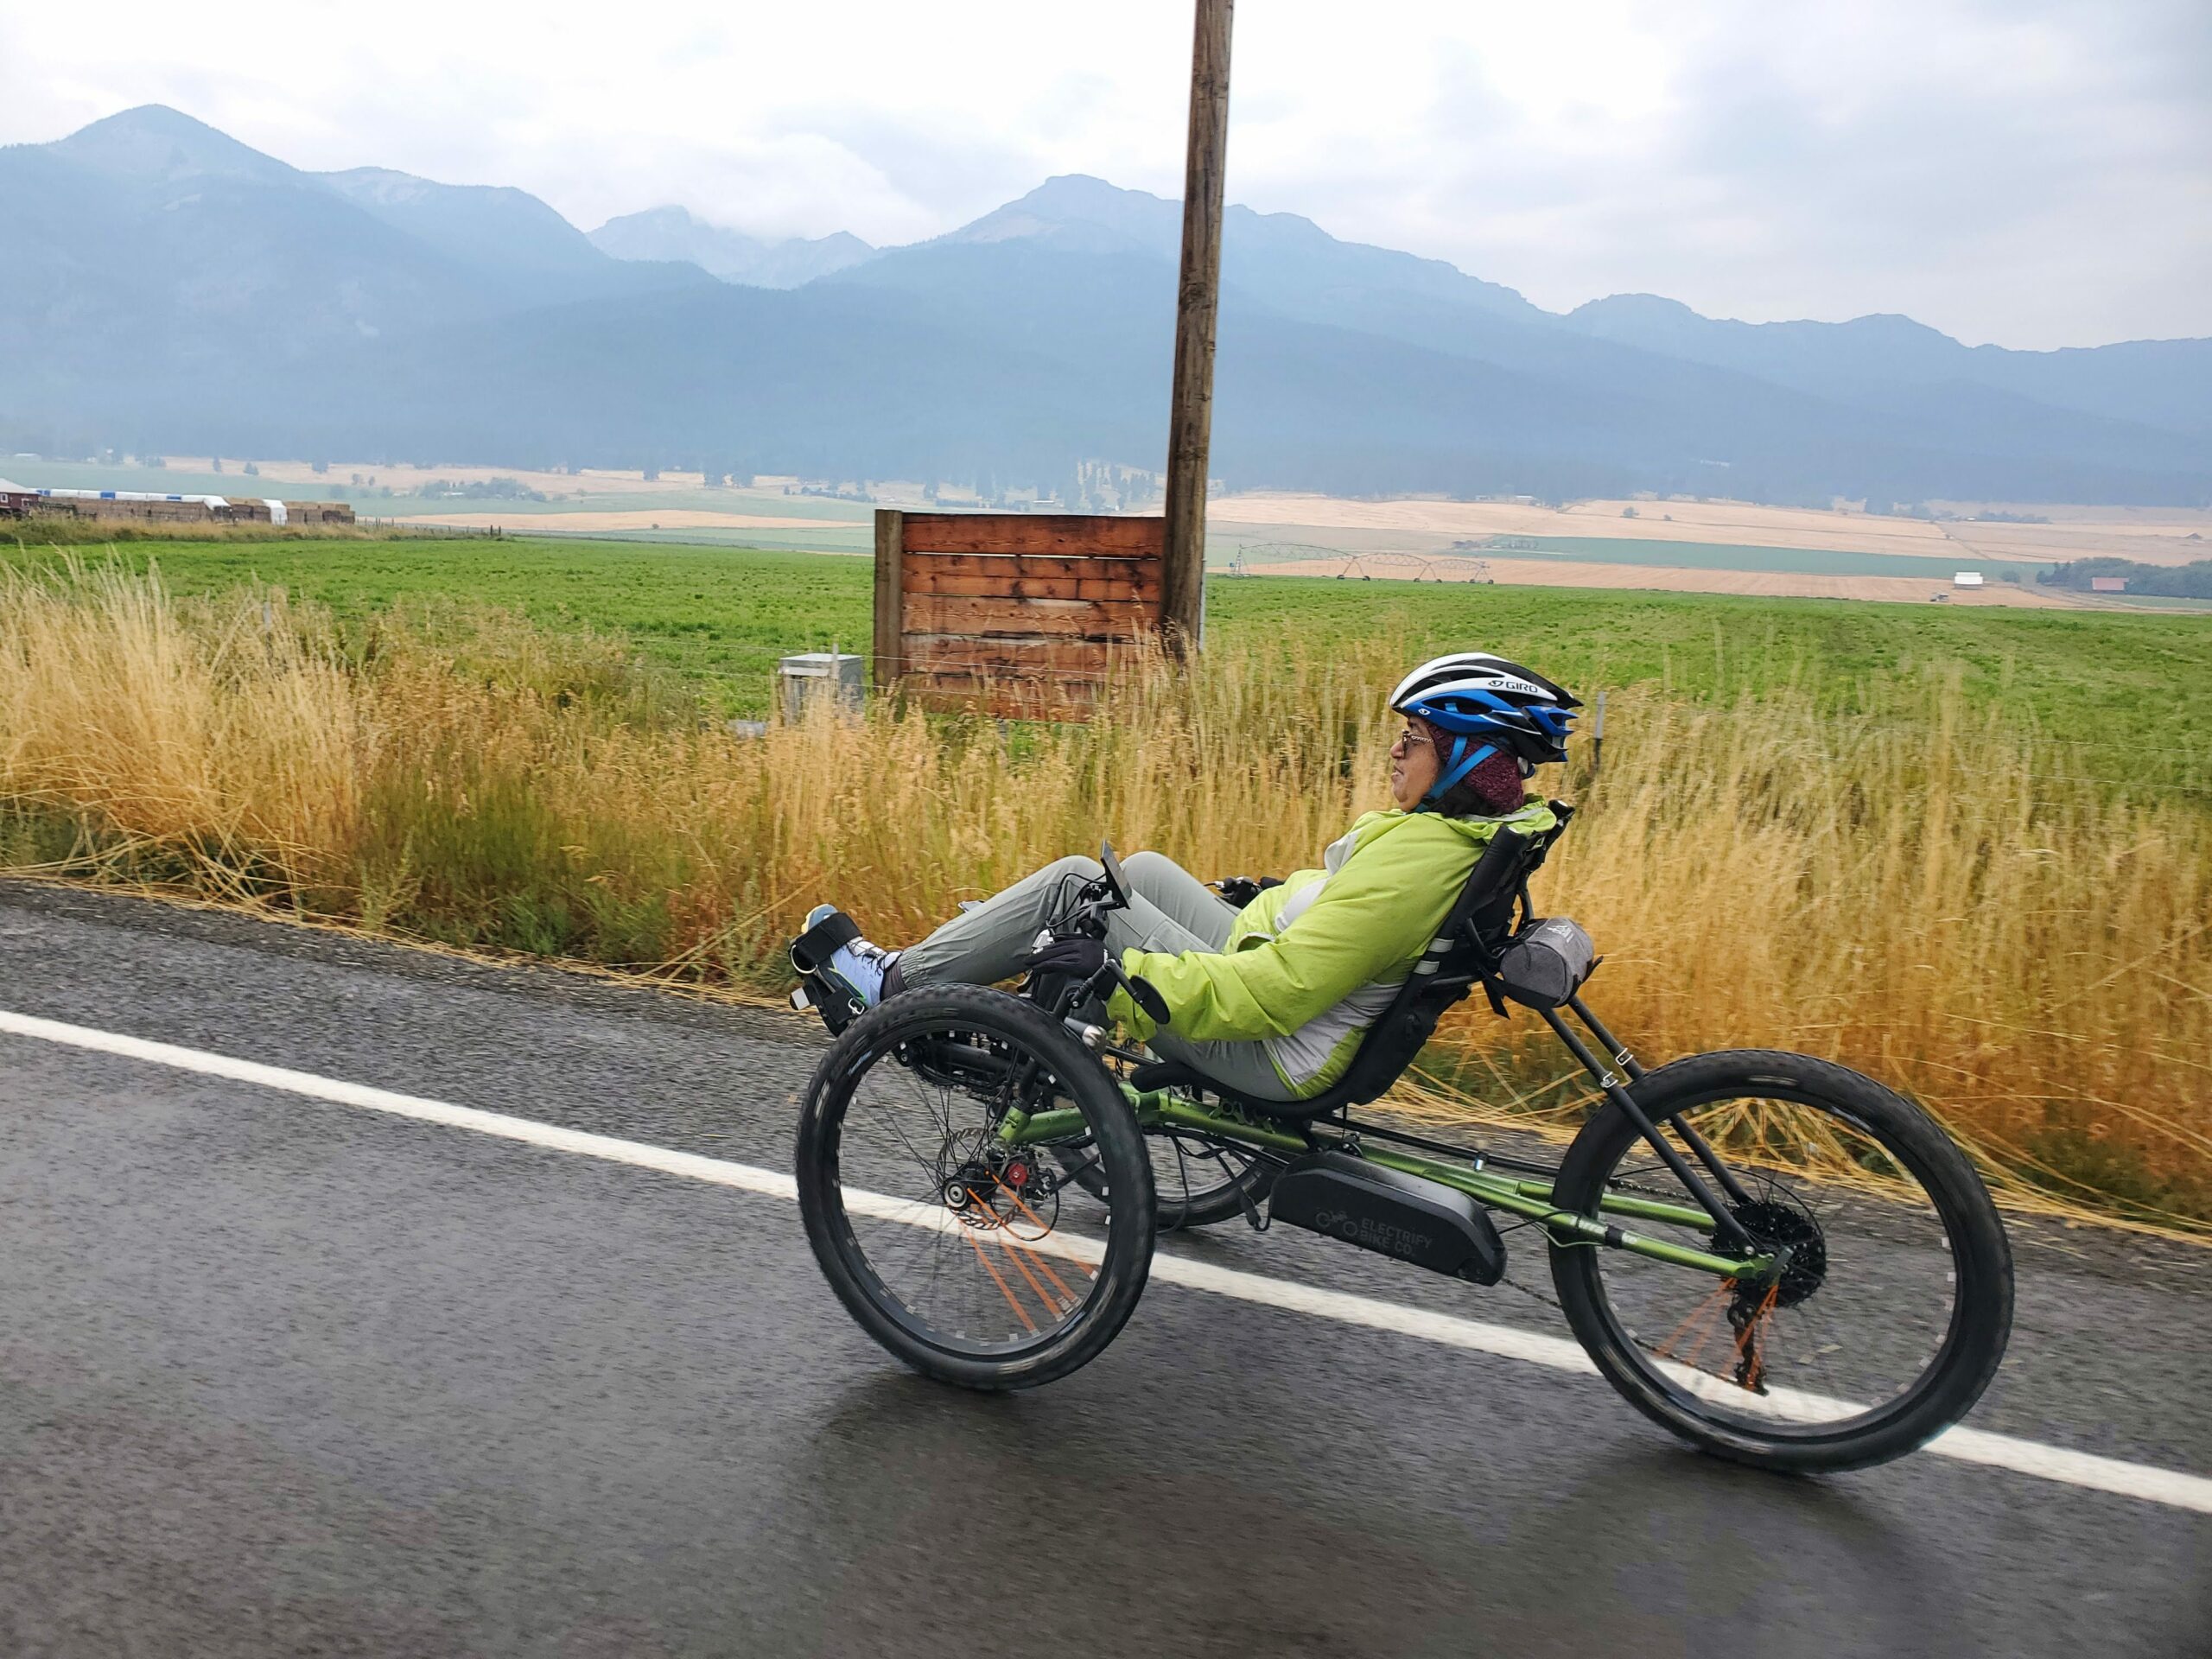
[1531, 1198]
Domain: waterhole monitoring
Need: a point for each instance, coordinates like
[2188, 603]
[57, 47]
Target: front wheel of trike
[947, 1242]
[1894, 1300]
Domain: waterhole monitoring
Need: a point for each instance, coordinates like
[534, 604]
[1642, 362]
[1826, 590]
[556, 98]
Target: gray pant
[1170, 910]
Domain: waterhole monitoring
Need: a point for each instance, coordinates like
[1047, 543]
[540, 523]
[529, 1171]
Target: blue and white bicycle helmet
[1489, 706]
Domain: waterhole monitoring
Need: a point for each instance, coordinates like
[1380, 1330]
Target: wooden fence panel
[1109, 619]
[1014, 613]
[1081, 535]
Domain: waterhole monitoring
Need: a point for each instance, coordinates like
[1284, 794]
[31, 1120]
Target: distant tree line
[2161, 580]
[484, 489]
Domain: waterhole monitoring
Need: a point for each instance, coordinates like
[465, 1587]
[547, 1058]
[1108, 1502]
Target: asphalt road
[279, 1376]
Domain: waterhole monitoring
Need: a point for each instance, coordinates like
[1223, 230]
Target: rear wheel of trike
[1895, 1300]
[952, 1250]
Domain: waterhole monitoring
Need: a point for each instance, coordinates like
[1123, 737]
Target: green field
[720, 616]
[2130, 695]
[832, 538]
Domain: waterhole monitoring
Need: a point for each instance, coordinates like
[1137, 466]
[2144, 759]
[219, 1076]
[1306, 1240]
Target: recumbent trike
[1775, 1257]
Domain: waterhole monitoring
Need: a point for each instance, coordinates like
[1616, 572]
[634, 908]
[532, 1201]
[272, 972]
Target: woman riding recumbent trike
[1774, 1256]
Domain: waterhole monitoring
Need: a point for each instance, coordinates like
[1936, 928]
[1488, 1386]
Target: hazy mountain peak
[1076, 195]
[1284, 258]
[1072, 196]
[1638, 318]
[1078, 213]
[1155, 221]
[1895, 326]
[667, 219]
[371, 250]
[479, 223]
[673, 233]
[1644, 305]
[154, 142]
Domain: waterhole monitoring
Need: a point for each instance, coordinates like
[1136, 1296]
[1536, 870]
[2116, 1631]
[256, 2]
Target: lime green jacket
[1311, 964]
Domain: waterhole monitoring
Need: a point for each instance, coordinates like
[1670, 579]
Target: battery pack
[1423, 1222]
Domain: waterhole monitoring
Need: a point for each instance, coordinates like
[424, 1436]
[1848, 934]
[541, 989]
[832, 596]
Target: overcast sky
[2036, 173]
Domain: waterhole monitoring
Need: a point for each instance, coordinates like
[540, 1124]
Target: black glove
[1077, 959]
[1242, 890]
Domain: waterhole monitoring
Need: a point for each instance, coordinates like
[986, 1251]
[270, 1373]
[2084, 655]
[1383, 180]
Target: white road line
[2167, 1486]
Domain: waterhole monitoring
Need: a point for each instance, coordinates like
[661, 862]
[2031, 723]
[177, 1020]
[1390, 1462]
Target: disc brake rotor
[989, 1187]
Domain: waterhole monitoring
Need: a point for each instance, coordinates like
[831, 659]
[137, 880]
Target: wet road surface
[283, 1376]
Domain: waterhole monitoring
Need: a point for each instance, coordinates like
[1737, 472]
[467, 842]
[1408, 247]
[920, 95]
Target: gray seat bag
[1547, 964]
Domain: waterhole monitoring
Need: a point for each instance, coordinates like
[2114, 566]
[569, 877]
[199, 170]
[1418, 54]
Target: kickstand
[1259, 1223]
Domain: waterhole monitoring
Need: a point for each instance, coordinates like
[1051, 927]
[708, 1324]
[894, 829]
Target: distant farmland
[1681, 535]
[1717, 556]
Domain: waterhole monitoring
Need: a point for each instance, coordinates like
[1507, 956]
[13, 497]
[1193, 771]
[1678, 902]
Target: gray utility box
[818, 673]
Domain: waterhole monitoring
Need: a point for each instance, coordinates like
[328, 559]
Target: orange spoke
[984, 1207]
[1711, 1330]
[1046, 1268]
[977, 1245]
[1043, 1227]
[1022, 1267]
[1704, 1311]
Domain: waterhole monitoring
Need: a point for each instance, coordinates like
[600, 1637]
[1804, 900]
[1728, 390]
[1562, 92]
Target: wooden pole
[889, 599]
[1190, 418]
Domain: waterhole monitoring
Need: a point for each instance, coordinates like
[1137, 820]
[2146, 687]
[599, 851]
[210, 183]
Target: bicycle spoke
[1864, 1299]
[958, 1254]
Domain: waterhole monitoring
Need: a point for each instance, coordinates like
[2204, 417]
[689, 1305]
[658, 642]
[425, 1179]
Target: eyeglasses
[1409, 740]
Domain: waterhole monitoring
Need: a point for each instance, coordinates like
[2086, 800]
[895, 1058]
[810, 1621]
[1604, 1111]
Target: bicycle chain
[1532, 1294]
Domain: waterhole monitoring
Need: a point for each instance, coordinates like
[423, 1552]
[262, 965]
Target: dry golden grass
[1929, 895]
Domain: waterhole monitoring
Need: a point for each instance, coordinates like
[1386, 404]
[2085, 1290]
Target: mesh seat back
[1466, 948]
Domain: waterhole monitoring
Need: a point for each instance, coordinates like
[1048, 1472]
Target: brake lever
[1141, 991]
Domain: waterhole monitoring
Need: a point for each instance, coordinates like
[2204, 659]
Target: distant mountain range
[165, 286]
[676, 233]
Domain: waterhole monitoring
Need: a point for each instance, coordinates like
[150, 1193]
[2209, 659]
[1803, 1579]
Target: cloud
[2030, 171]
[2038, 175]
